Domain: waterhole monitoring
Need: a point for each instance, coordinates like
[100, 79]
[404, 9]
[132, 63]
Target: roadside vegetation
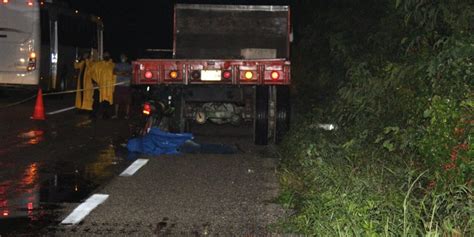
[397, 78]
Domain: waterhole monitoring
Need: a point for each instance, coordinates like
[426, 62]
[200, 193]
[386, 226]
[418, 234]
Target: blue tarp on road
[157, 142]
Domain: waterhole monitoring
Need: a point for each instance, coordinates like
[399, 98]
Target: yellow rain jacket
[84, 95]
[103, 75]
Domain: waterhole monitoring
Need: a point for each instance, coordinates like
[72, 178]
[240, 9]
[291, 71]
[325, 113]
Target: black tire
[282, 112]
[261, 115]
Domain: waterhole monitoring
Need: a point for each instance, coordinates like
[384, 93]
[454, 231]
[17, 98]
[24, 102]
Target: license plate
[211, 75]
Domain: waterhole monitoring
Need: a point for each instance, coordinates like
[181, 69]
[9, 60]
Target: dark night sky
[132, 26]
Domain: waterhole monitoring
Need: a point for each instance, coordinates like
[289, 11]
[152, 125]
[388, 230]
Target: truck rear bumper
[225, 72]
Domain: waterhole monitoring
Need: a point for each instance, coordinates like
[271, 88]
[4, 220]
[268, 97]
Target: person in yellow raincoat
[103, 76]
[84, 94]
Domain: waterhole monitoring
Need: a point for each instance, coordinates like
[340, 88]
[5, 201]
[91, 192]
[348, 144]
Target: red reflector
[30, 206]
[227, 74]
[147, 107]
[275, 75]
[148, 75]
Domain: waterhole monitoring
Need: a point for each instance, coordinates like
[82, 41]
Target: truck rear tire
[261, 115]
[282, 112]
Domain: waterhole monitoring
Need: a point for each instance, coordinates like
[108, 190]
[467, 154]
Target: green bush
[400, 89]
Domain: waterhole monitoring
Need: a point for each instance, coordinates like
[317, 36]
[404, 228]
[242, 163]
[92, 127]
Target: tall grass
[335, 191]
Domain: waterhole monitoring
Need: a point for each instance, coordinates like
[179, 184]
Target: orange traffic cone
[38, 113]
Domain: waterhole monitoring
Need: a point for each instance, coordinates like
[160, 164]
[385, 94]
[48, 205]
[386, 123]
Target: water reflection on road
[28, 196]
[23, 140]
[99, 169]
[33, 137]
[19, 197]
[44, 164]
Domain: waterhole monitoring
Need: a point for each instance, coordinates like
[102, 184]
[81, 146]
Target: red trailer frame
[265, 72]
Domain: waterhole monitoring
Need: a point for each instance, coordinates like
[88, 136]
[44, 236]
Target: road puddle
[31, 134]
[31, 195]
[23, 139]
[20, 202]
[20, 199]
[36, 138]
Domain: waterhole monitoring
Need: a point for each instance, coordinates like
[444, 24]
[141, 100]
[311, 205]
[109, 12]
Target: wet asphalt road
[49, 167]
[44, 164]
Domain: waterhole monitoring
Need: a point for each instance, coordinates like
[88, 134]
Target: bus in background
[40, 40]
[19, 43]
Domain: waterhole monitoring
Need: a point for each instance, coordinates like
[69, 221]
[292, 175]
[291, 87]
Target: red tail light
[5, 1]
[227, 74]
[147, 109]
[275, 75]
[30, 3]
[148, 75]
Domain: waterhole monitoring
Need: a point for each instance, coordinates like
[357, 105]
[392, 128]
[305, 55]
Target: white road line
[134, 167]
[61, 110]
[84, 209]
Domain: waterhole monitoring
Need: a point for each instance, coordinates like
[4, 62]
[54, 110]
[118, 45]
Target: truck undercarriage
[266, 108]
